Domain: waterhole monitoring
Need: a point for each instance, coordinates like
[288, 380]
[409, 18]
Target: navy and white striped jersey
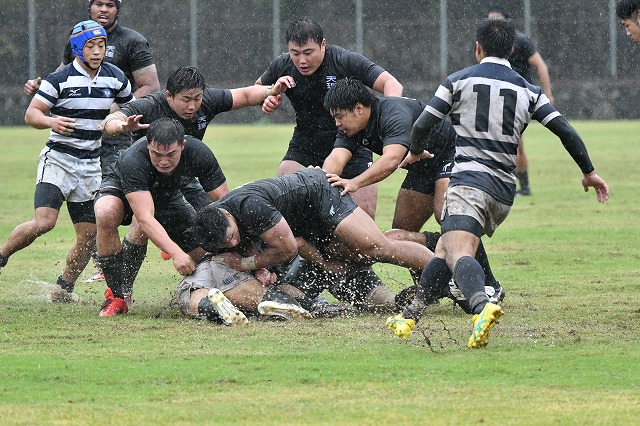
[490, 106]
[70, 92]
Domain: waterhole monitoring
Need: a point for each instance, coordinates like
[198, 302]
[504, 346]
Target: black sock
[132, 257]
[483, 260]
[434, 279]
[208, 312]
[432, 239]
[65, 285]
[3, 260]
[469, 278]
[112, 270]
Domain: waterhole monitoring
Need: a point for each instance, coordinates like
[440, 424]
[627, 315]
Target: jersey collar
[496, 60]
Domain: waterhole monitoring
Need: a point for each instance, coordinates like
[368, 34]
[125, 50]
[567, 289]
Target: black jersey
[127, 49]
[523, 49]
[134, 171]
[306, 200]
[154, 106]
[391, 122]
[307, 97]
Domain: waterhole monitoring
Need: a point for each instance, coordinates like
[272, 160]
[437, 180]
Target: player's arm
[543, 74]
[420, 133]
[146, 78]
[118, 123]
[337, 159]
[386, 164]
[281, 247]
[387, 85]
[143, 208]
[257, 94]
[574, 145]
[219, 192]
[36, 116]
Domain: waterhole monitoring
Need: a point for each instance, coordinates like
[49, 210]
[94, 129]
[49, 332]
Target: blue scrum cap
[84, 31]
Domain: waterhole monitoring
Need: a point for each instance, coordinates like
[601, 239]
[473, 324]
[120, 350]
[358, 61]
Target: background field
[566, 351]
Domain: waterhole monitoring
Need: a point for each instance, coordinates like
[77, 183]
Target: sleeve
[207, 169]
[215, 101]
[359, 67]
[275, 70]
[527, 48]
[397, 127]
[136, 179]
[48, 92]
[139, 52]
[441, 103]
[260, 215]
[344, 141]
[124, 94]
[143, 106]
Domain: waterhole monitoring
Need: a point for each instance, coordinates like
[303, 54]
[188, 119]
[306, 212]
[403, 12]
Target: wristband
[248, 263]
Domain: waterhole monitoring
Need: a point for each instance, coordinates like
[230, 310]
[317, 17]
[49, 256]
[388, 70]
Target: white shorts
[78, 179]
[488, 212]
[213, 273]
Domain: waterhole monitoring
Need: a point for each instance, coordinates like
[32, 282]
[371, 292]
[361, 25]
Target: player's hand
[412, 158]
[347, 184]
[63, 125]
[183, 263]
[265, 276]
[271, 104]
[32, 86]
[133, 124]
[284, 83]
[595, 181]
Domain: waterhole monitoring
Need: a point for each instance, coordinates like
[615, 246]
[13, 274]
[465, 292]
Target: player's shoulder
[126, 34]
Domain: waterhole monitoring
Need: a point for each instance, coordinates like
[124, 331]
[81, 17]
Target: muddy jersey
[307, 97]
[155, 106]
[134, 171]
[306, 200]
[391, 122]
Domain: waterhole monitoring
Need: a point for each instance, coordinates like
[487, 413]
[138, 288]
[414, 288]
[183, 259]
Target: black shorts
[175, 214]
[49, 195]
[423, 177]
[301, 151]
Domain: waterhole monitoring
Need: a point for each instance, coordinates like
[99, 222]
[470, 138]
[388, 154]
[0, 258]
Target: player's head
[496, 11]
[185, 87]
[89, 43]
[495, 37]
[215, 229]
[165, 142]
[628, 11]
[306, 45]
[105, 12]
[349, 103]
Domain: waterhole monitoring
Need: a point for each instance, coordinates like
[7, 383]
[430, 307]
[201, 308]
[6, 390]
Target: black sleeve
[572, 143]
[421, 131]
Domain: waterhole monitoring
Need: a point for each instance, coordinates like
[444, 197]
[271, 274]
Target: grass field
[564, 353]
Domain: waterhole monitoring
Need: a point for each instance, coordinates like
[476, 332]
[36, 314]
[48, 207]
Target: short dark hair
[185, 78]
[301, 30]
[497, 9]
[496, 37]
[627, 9]
[165, 131]
[346, 93]
[210, 228]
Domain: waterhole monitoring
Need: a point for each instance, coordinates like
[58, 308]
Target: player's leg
[367, 199]
[48, 199]
[110, 214]
[361, 235]
[289, 166]
[413, 209]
